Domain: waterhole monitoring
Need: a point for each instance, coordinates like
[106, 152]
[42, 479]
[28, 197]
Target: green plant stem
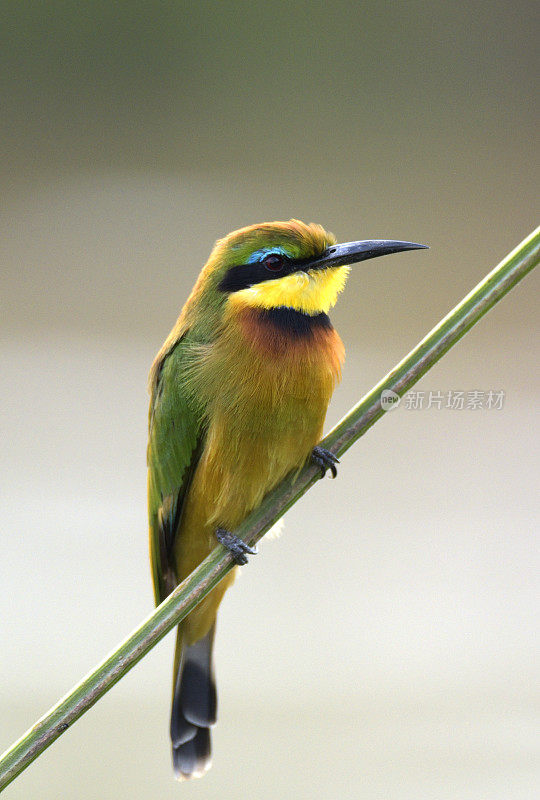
[197, 585]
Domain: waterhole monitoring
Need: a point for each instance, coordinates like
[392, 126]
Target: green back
[174, 444]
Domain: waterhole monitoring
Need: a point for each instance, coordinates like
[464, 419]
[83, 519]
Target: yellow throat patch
[311, 293]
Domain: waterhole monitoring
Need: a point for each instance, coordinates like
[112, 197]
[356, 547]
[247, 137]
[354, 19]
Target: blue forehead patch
[258, 255]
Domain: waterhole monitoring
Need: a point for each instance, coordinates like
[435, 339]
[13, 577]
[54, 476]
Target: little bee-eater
[239, 393]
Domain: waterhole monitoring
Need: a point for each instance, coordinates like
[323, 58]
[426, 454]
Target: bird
[239, 393]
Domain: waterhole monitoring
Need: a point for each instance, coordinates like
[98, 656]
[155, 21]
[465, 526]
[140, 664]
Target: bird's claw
[235, 545]
[325, 460]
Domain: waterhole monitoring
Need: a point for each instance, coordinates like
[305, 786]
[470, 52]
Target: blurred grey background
[384, 647]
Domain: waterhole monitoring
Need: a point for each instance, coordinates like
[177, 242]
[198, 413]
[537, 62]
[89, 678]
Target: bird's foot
[325, 460]
[235, 545]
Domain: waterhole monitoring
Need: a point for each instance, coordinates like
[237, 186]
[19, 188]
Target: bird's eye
[274, 262]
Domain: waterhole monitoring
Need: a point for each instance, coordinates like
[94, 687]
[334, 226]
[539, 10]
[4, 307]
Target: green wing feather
[173, 451]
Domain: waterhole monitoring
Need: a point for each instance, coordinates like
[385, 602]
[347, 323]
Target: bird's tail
[194, 707]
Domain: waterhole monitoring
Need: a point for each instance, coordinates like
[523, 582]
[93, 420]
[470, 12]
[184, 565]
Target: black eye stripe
[245, 275]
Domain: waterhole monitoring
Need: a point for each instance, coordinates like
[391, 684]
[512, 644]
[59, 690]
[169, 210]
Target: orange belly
[267, 400]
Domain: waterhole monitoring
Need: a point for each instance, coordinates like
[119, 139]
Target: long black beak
[353, 252]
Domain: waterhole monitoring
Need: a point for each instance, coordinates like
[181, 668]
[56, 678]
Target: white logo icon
[389, 400]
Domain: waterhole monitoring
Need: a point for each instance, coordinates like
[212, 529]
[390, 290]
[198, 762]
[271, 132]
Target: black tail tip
[192, 758]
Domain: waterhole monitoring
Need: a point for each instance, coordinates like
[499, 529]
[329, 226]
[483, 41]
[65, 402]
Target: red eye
[273, 262]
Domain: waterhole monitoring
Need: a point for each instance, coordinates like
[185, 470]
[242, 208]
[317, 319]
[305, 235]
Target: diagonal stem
[197, 585]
